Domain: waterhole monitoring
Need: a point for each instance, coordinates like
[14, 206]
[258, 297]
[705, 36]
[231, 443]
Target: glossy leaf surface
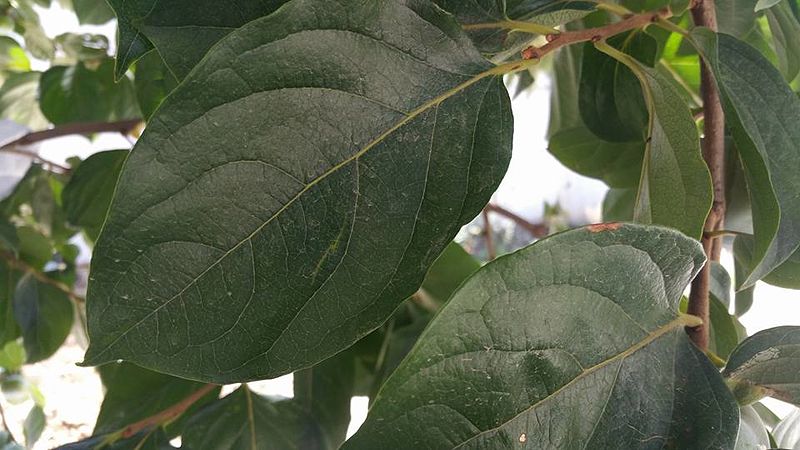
[575, 341]
[259, 243]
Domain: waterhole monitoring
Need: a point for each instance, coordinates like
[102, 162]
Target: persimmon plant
[301, 169]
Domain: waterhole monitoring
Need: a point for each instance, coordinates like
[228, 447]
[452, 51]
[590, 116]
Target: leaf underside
[272, 214]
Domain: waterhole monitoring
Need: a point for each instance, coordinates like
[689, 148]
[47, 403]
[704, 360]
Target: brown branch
[536, 230]
[559, 40]
[123, 127]
[704, 14]
[487, 234]
[5, 425]
[35, 156]
[22, 266]
[168, 414]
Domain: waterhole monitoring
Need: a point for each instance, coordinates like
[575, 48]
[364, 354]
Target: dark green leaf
[785, 31]
[82, 94]
[34, 425]
[610, 97]
[92, 12]
[9, 330]
[766, 364]
[182, 30]
[19, 100]
[245, 420]
[447, 273]
[736, 17]
[675, 189]
[758, 105]
[324, 391]
[618, 205]
[787, 275]
[274, 240]
[87, 196]
[618, 164]
[575, 341]
[133, 393]
[153, 82]
[8, 236]
[44, 315]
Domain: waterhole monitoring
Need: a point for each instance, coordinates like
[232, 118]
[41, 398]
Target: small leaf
[133, 394]
[764, 4]
[82, 94]
[45, 316]
[736, 17]
[758, 104]
[447, 273]
[785, 29]
[244, 419]
[675, 189]
[87, 196]
[554, 343]
[182, 30]
[153, 82]
[261, 231]
[83, 47]
[787, 432]
[611, 101]
[787, 275]
[12, 56]
[19, 100]
[766, 364]
[564, 112]
[618, 164]
[752, 431]
[12, 356]
[9, 330]
[34, 425]
[767, 416]
[8, 236]
[618, 205]
[92, 12]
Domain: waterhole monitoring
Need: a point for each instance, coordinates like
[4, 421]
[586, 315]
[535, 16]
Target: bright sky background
[533, 178]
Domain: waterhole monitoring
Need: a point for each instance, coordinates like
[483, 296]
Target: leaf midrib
[681, 321]
[495, 71]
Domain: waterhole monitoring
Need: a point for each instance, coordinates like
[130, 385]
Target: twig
[5, 424]
[559, 40]
[536, 230]
[487, 233]
[22, 266]
[167, 415]
[123, 126]
[35, 156]
[704, 14]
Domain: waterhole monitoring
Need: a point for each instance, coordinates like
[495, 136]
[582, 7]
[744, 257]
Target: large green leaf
[182, 30]
[758, 106]
[575, 341]
[675, 188]
[564, 112]
[611, 102]
[133, 394]
[87, 196]
[619, 164]
[269, 225]
[245, 420]
[81, 93]
[766, 364]
[45, 316]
